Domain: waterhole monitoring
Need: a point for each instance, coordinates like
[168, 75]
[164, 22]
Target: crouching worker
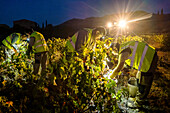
[143, 58]
[85, 38]
[37, 41]
[10, 43]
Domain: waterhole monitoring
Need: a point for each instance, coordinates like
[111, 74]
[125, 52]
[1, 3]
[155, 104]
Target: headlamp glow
[28, 39]
[103, 37]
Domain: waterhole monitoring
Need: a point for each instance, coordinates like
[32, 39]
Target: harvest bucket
[132, 87]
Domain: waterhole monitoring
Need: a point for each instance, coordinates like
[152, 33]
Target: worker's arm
[122, 57]
[31, 43]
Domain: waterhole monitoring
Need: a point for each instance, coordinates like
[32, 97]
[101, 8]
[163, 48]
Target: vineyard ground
[160, 91]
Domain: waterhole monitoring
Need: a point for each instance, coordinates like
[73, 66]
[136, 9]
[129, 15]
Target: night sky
[59, 11]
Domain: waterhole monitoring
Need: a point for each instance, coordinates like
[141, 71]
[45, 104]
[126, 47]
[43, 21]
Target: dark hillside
[158, 23]
[155, 24]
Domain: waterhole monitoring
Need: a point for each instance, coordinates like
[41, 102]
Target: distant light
[109, 25]
[28, 39]
[103, 37]
[122, 23]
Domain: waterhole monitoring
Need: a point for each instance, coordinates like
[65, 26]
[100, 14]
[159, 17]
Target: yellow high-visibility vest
[40, 44]
[11, 39]
[71, 42]
[141, 56]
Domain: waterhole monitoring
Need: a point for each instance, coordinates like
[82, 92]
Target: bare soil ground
[158, 97]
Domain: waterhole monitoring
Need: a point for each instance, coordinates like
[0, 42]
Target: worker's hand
[29, 60]
[16, 53]
[14, 50]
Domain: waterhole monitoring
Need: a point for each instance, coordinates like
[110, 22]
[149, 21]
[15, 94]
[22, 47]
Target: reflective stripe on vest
[7, 42]
[40, 45]
[73, 40]
[72, 43]
[143, 56]
[133, 53]
[39, 41]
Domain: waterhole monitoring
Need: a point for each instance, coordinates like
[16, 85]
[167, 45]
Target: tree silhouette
[43, 25]
[46, 23]
[162, 11]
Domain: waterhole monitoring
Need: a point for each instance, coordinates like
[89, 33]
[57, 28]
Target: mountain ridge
[157, 23]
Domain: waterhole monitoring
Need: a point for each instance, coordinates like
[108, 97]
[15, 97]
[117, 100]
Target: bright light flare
[122, 23]
[109, 25]
[141, 18]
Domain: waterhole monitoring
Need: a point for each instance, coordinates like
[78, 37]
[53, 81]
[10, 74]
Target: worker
[141, 57]
[37, 41]
[10, 44]
[85, 38]
[12, 40]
